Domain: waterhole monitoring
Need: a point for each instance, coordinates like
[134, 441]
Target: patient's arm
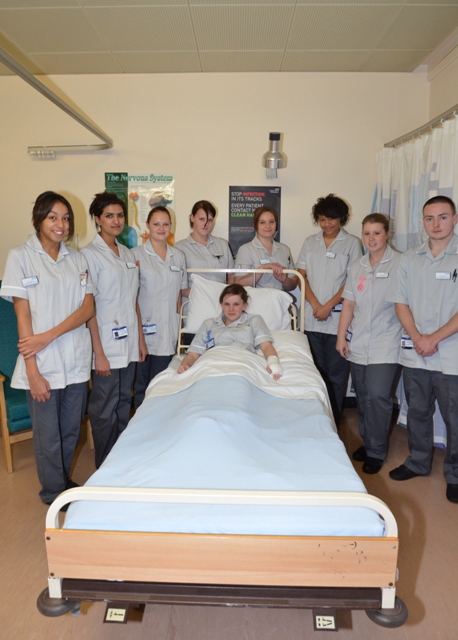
[187, 361]
[273, 363]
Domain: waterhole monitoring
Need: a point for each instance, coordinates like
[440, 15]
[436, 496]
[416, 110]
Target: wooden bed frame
[323, 573]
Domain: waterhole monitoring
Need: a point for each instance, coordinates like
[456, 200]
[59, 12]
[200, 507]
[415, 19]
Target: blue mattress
[225, 433]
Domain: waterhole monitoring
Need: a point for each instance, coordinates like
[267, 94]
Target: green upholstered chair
[14, 413]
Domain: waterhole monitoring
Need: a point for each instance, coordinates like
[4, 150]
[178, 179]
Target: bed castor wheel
[389, 618]
[54, 607]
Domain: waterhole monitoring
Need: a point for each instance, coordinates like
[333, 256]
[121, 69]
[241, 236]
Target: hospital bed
[216, 494]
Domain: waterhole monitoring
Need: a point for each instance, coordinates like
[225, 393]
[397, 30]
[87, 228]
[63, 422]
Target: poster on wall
[141, 192]
[243, 201]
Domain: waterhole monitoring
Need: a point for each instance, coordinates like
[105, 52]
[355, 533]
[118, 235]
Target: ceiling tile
[339, 27]
[50, 30]
[393, 60]
[129, 3]
[37, 4]
[65, 63]
[241, 60]
[324, 60]
[241, 27]
[144, 28]
[234, 2]
[158, 61]
[420, 27]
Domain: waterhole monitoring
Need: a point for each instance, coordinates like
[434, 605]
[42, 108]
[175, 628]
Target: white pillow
[271, 304]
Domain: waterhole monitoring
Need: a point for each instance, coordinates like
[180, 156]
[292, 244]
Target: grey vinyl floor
[428, 565]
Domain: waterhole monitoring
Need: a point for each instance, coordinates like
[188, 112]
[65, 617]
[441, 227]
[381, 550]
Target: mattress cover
[224, 432]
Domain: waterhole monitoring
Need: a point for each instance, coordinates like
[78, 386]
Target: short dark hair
[377, 218]
[258, 213]
[331, 207]
[158, 208]
[234, 290]
[43, 205]
[103, 200]
[440, 199]
[206, 206]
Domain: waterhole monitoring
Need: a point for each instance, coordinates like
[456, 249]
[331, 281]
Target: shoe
[71, 484]
[404, 473]
[372, 465]
[452, 492]
[360, 454]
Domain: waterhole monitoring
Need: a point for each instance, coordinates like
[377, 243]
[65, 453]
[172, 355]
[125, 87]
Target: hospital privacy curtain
[410, 174]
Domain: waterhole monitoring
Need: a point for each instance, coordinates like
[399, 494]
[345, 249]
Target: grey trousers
[146, 371]
[109, 408]
[331, 365]
[422, 389]
[56, 431]
[374, 385]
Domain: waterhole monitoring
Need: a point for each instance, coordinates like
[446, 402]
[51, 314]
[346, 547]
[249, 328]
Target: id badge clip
[348, 335]
[406, 342]
[119, 333]
[337, 308]
[149, 328]
[330, 254]
[266, 261]
[209, 341]
[83, 278]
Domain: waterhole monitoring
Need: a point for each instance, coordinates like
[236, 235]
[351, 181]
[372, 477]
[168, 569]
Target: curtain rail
[435, 122]
[22, 72]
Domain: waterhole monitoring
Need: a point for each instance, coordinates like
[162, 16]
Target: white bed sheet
[225, 432]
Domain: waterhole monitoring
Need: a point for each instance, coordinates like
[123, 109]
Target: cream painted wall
[210, 131]
[444, 85]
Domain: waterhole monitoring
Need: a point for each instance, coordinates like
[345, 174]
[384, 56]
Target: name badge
[149, 328]
[83, 278]
[131, 265]
[217, 257]
[337, 308]
[348, 335]
[264, 262]
[28, 282]
[406, 342]
[174, 268]
[381, 274]
[119, 333]
[330, 254]
[443, 275]
[209, 341]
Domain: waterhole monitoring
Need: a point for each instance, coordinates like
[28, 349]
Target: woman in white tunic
[51, 289]
[162, 278]
[324, 260]
[117, 342]
[369, 336]
[201, 249]
[263, 252]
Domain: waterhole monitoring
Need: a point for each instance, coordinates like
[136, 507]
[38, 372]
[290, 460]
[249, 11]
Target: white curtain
[407, 176]
[412, 173]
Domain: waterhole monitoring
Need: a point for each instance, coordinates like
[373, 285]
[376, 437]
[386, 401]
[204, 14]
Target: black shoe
[372, 465]
[71, 484]
[360, 454]
[404, 473]
[452, 492]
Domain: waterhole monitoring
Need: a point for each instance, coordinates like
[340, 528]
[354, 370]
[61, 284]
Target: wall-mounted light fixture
[274, 159]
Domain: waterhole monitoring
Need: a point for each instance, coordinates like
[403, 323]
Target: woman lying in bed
[234, 326]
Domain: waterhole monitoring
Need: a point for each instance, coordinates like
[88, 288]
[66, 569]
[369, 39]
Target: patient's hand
[274, 367]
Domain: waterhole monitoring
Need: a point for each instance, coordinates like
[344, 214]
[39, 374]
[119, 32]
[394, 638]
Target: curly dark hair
[331, 207]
